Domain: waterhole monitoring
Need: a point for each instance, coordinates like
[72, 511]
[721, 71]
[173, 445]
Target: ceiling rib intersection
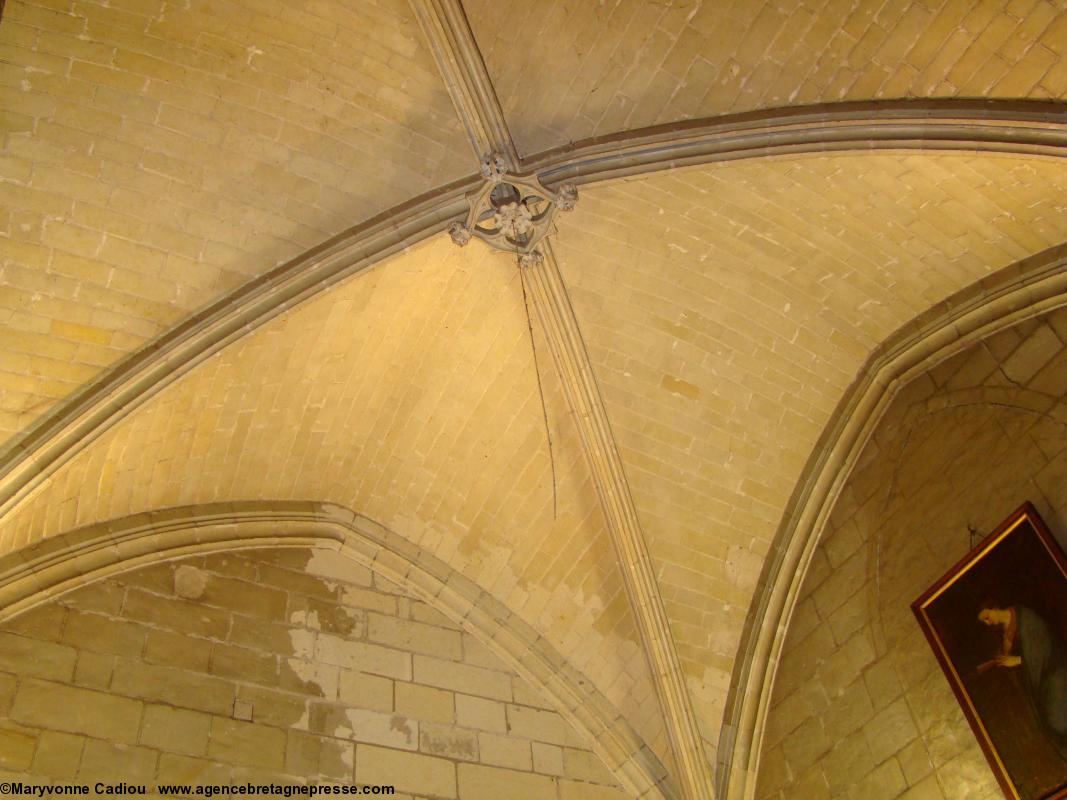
[455, 50]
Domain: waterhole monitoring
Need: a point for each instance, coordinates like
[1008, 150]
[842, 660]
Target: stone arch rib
[1017, 127]
[974, 126]
[992, 126]
[1026, 289]
[49, 568]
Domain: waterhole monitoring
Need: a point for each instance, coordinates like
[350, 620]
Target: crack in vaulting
[1024, 128]
[998, 126]
[452, 42]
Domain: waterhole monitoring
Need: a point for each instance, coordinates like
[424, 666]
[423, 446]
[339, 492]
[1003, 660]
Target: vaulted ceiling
[224, 278]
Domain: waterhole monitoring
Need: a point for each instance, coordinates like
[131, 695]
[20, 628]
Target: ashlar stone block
[425, 702]
[409, 772]
[478, 782]
[65, 708]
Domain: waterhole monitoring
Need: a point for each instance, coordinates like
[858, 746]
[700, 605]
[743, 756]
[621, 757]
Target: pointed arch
[59, 564]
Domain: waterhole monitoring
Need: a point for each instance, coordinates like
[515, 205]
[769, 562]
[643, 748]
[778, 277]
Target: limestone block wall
[275, 666]
[861, 708]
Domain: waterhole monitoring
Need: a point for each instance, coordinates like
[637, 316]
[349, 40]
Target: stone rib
[450, 38]
[556, 315]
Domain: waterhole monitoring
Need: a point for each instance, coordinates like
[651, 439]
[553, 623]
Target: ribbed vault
[409, 392]
[160, 155]
[727, 309]
[157, 157]
[655, 63]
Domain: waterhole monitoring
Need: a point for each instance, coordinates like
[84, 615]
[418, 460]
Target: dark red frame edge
[1026, 510]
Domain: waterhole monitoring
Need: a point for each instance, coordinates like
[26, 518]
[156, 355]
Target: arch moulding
[54, 566]
[1026, 289]
[995, 126]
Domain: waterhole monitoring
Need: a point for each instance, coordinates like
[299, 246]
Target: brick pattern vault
[226, 285]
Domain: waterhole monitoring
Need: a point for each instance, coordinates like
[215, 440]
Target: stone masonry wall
[287, 666]
[861, 708]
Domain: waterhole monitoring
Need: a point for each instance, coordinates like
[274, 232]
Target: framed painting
[997, 622]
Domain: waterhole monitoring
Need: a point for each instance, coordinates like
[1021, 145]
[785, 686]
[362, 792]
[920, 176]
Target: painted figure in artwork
[1038, 652]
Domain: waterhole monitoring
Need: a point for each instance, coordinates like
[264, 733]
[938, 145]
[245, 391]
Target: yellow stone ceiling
[602, 67]
[158, 155]
[726, 311]
[408, 394]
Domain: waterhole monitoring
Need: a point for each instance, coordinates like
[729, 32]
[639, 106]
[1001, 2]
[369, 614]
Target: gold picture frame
[997, 623]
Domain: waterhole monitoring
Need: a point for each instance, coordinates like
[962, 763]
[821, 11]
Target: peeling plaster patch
[303, 643]
[309, 619]
[316, 676]
[325, 564]
[449, 742]
[302, 723]
[401, 725]
[389, 730]
[742, 566]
